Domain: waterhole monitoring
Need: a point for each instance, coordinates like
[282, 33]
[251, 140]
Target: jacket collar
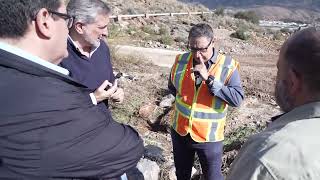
[306, 111]
[14, 61]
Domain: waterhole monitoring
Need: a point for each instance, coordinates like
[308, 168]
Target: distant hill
[307, 11]
[309, 4]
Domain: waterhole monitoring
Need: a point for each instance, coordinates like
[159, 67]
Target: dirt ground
[147, 84]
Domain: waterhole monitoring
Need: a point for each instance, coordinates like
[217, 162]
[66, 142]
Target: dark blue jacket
[49, 127]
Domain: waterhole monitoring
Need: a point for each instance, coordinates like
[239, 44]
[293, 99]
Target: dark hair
[302, 52]
[16, 15]
[86, 11]
[201, 30]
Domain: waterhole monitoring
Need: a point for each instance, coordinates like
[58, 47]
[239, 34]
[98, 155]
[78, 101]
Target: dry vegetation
[147, 83]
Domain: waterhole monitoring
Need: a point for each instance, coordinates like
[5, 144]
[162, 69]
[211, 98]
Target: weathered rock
[167, 101]
[172, 173]
[154, 153]
[147, 110]
[149, 169]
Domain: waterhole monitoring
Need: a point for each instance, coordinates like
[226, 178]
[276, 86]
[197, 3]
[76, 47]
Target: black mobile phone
[108, 87]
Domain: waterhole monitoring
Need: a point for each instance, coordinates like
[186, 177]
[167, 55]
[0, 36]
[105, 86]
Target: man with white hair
[89, 56]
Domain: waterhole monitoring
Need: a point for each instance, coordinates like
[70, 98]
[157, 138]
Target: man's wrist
[210, 80]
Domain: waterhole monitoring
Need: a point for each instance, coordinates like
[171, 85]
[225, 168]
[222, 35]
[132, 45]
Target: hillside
[307, 11]
[145, 84]
[311, 4]
[285, 10]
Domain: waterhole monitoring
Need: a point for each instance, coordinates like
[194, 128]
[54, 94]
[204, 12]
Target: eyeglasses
[69, 19]
[201, 50]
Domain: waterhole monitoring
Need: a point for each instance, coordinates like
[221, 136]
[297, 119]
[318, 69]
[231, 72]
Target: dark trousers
[210, 156]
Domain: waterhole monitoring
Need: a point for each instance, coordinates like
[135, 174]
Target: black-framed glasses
[201, 50]
[69, 19]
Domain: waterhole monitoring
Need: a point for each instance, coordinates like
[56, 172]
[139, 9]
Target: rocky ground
[145, 84]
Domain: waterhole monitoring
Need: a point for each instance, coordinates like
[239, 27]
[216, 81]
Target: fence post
[118, 18]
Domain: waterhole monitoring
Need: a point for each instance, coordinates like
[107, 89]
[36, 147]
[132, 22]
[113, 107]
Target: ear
[213, 41]
[295, 83]
[78, 26]
[44, 23]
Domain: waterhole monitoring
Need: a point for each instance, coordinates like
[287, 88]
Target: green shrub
[166, 39]
[241, 33]
[239, 135]
[277, 35]
[219, 11]
[129, 11]
[149, 30]
[181, 39]
[132, 30]
[114, 31]
[250, 16]
[163, 30]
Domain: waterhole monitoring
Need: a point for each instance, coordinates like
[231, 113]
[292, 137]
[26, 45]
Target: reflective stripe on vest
[196, 111]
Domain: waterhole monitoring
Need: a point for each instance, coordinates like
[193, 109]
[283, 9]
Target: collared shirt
[78, 48]
[287, 149]
[30, 57]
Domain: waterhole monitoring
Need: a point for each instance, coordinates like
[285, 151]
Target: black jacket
[50, 129]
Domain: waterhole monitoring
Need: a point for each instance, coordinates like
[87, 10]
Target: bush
[238, 137]
[132, 30]
[163, 30]
[277, 35]
[219, 11]
[241, 33]
[149, 30]
[114, 31]
[166, 39]
[250, 16]
[181, 39]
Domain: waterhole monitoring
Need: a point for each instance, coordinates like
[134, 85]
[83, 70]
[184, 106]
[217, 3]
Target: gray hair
[85, 11]
[201, 30]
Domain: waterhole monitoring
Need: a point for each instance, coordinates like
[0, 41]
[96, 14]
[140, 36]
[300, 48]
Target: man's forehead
[199, 40]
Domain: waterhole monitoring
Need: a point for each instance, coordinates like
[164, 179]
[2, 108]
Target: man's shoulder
[227, 55]
[282, 150]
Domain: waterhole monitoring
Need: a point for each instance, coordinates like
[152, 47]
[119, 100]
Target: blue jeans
[210, 156]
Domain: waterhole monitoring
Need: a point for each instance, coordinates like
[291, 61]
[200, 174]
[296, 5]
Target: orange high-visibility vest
[196, 110]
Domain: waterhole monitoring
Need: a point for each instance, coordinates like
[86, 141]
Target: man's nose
[198, 54]
[105, 33]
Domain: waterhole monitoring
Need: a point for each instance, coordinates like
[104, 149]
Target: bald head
[302, 53]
